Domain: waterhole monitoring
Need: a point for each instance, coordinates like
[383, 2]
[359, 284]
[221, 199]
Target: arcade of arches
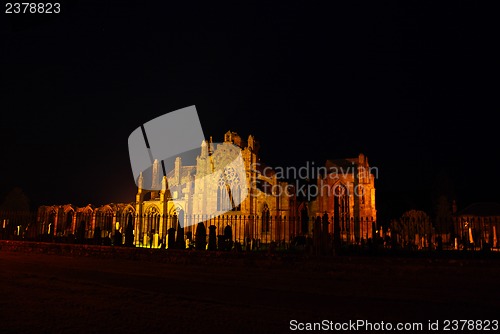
[349, 202]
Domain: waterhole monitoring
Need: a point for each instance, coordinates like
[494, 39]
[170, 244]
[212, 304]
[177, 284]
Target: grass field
[43, 293]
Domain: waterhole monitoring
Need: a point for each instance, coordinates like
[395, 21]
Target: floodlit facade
[346, 193]
[250, 203]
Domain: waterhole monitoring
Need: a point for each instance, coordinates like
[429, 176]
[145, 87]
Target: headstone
[179, 239]
[155, 240]
[228, 238]
[171, 238]
[221, 242]
[212, 238]
[200, 237]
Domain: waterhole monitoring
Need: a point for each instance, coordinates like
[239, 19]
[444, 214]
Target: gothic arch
[125, 214]
[177, 217]
[175, 209]
[338, 188]
[152, 215]
[229, 189]
[68, 218]
[104, 219]
[265, 218]
[84, 216]
[341, 210]
[51, 220]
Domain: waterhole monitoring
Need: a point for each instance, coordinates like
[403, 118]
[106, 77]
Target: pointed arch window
[229, 191]
[341, 206]
[361, 194]
[265, 218]
[69, 222]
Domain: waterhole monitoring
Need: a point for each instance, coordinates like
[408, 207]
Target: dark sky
[413, 85]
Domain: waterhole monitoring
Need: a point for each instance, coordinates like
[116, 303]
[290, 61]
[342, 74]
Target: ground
[43, 293]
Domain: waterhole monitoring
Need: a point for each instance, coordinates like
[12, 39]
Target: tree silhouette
[442, 197]
[411, 224]
[15, 200]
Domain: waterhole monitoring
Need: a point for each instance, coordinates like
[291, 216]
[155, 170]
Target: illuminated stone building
[252, 201]
[65, 220]
[346, 192]
[188, 195]
[477, 226]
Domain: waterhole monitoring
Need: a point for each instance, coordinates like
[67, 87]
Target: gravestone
[212, 239]
[171, 238]
[201, 237]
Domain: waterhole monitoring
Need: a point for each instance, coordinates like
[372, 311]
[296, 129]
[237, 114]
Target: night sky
[412, 85]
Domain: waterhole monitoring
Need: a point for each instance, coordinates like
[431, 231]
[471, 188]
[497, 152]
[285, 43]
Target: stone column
[73, 224]
[54, 228]
[92, 225]
[113, 226]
